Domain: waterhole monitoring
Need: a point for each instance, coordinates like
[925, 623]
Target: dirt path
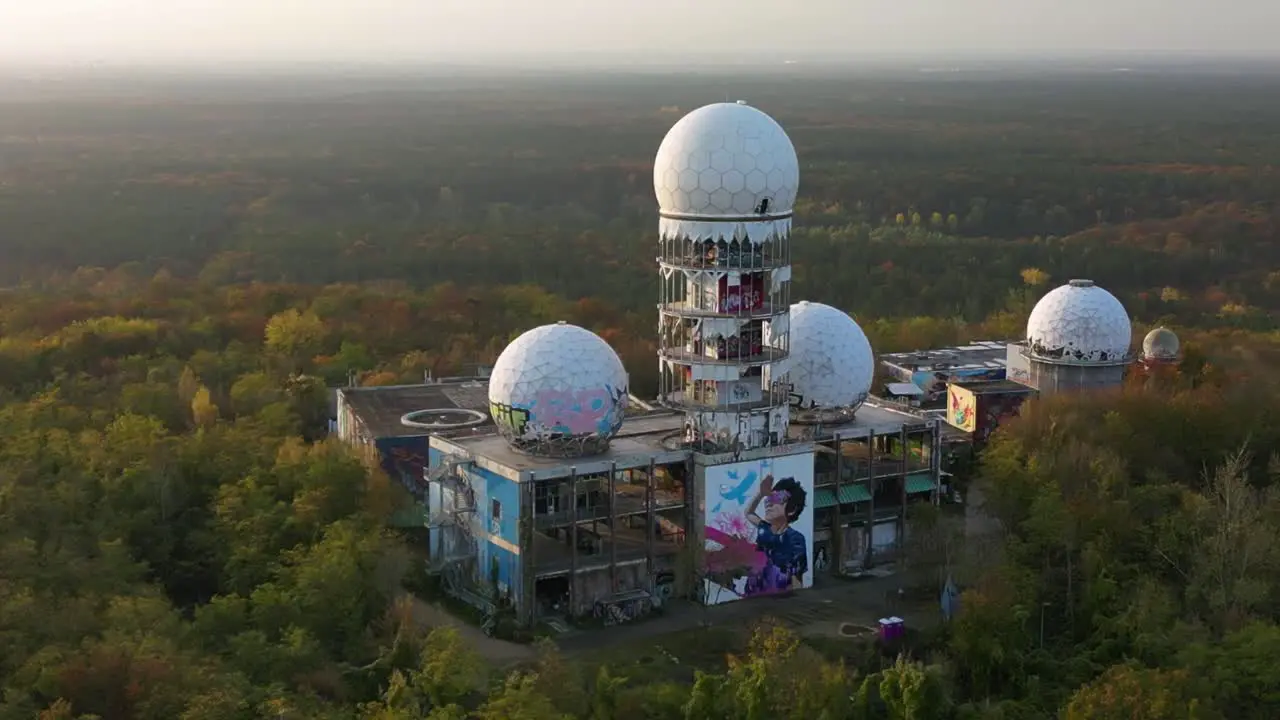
[498, 652]
[859, 601]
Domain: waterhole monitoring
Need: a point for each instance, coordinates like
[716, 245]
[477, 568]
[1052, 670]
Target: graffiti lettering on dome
[800, 402]
[595, 411]
[510, 418]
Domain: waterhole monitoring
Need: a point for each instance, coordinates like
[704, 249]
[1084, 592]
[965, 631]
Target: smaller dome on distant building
[1161, 344]
[1079, 324]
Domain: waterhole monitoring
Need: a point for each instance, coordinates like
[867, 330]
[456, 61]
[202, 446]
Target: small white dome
[1161, 344]
[558, 388]
[1079, 323]
[726, 160]
[831, 359]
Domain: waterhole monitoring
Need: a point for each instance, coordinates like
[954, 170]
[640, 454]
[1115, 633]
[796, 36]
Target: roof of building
[903, 388]
[874, 416]
[381, 408]
[640, 439]
[995, 387]
[979, 354]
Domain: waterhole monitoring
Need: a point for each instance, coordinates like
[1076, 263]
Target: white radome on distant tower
[558, 390]
[1161, 344]
[831, 360]
[725, 161]
[1079, 323]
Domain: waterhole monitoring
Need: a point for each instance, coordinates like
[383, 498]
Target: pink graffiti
[749, 295]
[577, 412]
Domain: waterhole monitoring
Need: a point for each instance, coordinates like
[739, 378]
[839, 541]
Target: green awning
[826, 496]
[920, 483]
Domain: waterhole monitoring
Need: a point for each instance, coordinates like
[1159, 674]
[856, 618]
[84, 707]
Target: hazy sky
[128, 31]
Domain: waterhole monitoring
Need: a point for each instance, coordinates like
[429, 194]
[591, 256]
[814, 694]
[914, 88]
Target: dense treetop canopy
[178, 538]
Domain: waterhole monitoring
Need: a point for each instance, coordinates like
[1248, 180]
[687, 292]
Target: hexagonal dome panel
[558, 383]
[721, 161]
[688, 179]
[733, 181]
[725, 138]
[744, 201]
[709, 180]
[699, 199]
[1079, 323]
[722, 200]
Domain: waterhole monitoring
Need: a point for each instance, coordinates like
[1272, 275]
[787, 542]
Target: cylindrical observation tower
[726, 177]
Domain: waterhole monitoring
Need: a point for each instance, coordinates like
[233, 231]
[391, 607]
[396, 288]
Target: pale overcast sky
[203, 31]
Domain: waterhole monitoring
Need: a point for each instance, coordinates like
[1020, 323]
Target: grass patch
[671, 657]
[853, 652]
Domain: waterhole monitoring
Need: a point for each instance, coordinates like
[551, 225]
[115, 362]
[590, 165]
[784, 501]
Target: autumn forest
[191, 262]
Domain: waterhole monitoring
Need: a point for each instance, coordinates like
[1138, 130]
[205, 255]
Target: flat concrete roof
[978, 354]
[379, 409]
[871, 417]
[639, 440]
[996, 387]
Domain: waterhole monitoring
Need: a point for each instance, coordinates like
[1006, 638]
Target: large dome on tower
[558, 390]
[831, 360]
[726, 160]
[1079, 323]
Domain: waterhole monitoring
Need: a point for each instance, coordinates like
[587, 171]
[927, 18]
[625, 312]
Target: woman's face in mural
[775, 508]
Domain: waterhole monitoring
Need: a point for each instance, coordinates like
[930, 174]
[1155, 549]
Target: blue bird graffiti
[739, 494]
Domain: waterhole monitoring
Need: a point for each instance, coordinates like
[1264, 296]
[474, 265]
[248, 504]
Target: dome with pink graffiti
[558, 390]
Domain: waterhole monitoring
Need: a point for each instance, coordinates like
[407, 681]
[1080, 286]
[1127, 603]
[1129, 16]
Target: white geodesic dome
[1079, 323]
[831, 360]
[724, 161]
[1161, 344]
[558, 390]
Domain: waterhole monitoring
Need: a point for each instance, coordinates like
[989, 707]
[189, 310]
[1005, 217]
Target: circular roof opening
[443, 419]
[1081, 283]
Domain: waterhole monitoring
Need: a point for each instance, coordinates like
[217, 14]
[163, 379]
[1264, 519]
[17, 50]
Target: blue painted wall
[501, 533]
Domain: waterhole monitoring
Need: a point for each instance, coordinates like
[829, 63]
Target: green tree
[294, 336]
[1127, 693]
[519, 699]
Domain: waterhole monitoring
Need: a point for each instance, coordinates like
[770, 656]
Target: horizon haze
[195, 33]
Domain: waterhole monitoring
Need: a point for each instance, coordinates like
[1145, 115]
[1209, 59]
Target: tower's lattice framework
[723, 330]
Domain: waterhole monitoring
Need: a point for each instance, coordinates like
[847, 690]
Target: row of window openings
[548, 503]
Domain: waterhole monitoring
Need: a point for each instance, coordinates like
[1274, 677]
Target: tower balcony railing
[763, 356]
[688, 401]
[685, 309]
[693, 260]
